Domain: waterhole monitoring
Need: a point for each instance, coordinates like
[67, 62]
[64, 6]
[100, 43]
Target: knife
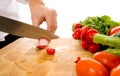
[24, 30]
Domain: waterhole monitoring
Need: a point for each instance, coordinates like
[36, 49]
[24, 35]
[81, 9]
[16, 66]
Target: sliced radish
[42, 43]
[50, 51]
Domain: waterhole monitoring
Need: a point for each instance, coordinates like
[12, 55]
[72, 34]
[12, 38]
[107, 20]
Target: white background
[71, 11]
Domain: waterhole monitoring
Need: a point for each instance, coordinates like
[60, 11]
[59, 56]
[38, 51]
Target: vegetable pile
[98, 34]
[103, 24]
[102, 64]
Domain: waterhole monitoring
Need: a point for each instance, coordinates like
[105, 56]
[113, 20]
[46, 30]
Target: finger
[36, 22]
[51, 21]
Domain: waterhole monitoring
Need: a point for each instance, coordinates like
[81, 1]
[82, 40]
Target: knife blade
[21, 29]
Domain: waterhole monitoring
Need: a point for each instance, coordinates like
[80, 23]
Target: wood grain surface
[20, 58]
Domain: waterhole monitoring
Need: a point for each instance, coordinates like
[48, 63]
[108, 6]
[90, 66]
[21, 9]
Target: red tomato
[108, 60]
[90, 34]
[94, 48]
[115, 71]
[114, 30]
[90, 67]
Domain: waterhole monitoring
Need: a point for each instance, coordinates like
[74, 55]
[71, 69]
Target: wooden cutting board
[20, 58]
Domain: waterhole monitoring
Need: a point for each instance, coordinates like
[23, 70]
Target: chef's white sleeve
[23, 1]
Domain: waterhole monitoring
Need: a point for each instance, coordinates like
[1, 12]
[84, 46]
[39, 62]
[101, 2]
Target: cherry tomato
[90, 34]
[115, 71]
[114, 30]
[90, 67]
[108, 60]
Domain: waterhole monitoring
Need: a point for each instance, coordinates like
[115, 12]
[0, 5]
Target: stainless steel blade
[24, 30]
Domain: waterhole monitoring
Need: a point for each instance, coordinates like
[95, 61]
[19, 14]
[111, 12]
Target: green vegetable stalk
[114, 51]
[107, 40]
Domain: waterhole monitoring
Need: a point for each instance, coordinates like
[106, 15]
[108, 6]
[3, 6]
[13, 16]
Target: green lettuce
[103, 24]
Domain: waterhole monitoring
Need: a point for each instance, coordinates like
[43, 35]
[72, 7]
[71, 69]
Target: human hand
[40, 13]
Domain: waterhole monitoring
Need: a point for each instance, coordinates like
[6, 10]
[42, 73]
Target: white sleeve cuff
[23, 1]
[2, 36]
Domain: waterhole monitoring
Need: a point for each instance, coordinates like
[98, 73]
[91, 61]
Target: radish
[93, 47]
[84, 31]
[42, 43]
[84, 44]
[77, 33]
[76, 26]
[90, 34]
[50, 51]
